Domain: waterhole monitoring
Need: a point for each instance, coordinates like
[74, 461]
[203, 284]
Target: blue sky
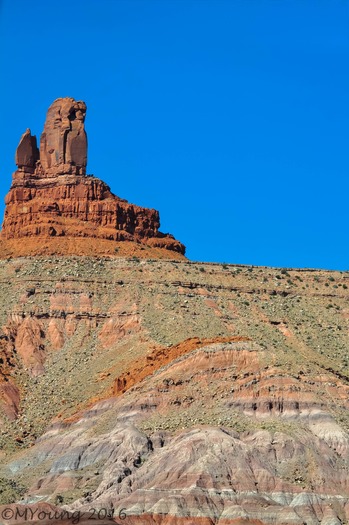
[229, 117]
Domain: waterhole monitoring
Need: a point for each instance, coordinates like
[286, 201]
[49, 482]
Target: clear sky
[231, 117]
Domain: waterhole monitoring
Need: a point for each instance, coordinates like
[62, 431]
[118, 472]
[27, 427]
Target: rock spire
[63, 143]
[51, 195]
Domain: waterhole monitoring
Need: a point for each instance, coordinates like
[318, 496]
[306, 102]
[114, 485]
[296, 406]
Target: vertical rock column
[27, 153]
[63, 144]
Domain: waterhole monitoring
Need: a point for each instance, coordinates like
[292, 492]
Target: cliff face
[51, 196]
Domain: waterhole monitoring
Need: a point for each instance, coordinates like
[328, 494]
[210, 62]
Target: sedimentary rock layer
[184, 393]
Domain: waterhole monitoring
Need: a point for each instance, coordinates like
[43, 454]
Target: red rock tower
[63, 143]
[51, 195]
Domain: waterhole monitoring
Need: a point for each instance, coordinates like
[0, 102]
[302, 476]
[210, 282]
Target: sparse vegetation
[296, 328]
[10, 491]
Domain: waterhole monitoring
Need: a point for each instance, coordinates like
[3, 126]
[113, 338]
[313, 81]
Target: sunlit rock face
[63, 143]
[52, 197]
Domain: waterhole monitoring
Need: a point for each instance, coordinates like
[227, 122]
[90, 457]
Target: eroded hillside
[175, 389]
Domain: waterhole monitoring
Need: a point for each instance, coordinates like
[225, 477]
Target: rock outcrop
[63, 143]
[27, 153]
[51, 195]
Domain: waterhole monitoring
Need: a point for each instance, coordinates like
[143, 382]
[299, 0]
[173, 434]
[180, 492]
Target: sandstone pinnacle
[63, 142]
[52, 197]
[27, 153]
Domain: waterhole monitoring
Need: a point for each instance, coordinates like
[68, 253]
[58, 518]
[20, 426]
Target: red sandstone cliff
[51, 195]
